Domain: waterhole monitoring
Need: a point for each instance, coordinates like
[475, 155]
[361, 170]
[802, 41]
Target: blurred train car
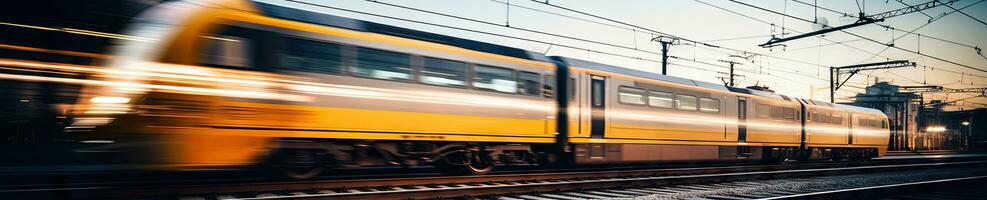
[230, 84]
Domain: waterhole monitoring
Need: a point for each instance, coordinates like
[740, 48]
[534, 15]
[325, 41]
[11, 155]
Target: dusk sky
[800, 68]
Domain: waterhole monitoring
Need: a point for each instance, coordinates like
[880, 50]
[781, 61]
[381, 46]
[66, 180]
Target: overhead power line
[538, 32]
[704, 45]
[862, 20]
[511, 27]
[708, 46]
[866, 38]
[815, 77]
[489, 33]
[967, 15]
[841, 43]
[470, 30]
[910, 9]
[892, 28]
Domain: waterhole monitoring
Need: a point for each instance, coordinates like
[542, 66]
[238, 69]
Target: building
[969, 126]
[902, 109]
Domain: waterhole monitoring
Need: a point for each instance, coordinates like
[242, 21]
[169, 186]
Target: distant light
[110, 100]
[966, 123]
[935, 129]
[98, 141]
[92, 121]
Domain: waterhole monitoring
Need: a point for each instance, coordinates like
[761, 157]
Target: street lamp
[935, 129]
[969, 131]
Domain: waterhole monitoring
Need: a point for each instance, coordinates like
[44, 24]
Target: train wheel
[838, 155]
[464, 162]
[301, 164]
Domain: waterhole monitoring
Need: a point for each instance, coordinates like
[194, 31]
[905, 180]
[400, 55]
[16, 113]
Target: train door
[849, 128]
[742, 120]
[598, 115]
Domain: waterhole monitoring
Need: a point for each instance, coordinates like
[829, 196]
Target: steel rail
[465, 186]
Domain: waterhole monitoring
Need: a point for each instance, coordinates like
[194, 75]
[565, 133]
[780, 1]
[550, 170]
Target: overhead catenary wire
[706, 45]
[861, 38]
[537, 32]
[875, 41]
[484, 32]
[511, 27]
[772, 24]
[887, 26]
[864, 38]
[542, 42]
[470, 30]
[968, 15]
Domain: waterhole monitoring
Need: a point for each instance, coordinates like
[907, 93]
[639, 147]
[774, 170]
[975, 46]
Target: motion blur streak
[83, 32]
[174, 71]
[166, 71]
[61, 52]
[179, 89]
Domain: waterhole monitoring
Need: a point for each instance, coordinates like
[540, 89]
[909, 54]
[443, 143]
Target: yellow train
[229, 84]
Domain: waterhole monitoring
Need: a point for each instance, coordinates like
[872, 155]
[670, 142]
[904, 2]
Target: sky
[799, 68]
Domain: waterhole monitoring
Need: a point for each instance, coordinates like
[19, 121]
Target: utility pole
[969, 131]
[665, 43]
[731, 75]
[836, 79]
[832, 85]
[664, 57]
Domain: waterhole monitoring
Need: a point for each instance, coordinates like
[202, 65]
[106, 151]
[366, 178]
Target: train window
[814, 116]
[572, 89]
[685, 102]
[373, 63]
[660, 99]
[529, 83]
[443, 72]
[837, 119]
[763, 111]
[307, 55]
[709, 105]
[789, 113]
[548, 86]
[630, 95]
[227, 51]
[494, 78]
[777, 112]
[884, 123]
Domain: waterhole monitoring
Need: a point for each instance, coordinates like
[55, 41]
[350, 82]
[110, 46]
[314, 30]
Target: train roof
[639, 73]
[360, 25]
[851, 108]
[295, 14]
[858, 109]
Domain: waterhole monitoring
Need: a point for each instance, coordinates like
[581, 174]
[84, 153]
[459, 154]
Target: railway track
[901, 183]
[504, 185]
